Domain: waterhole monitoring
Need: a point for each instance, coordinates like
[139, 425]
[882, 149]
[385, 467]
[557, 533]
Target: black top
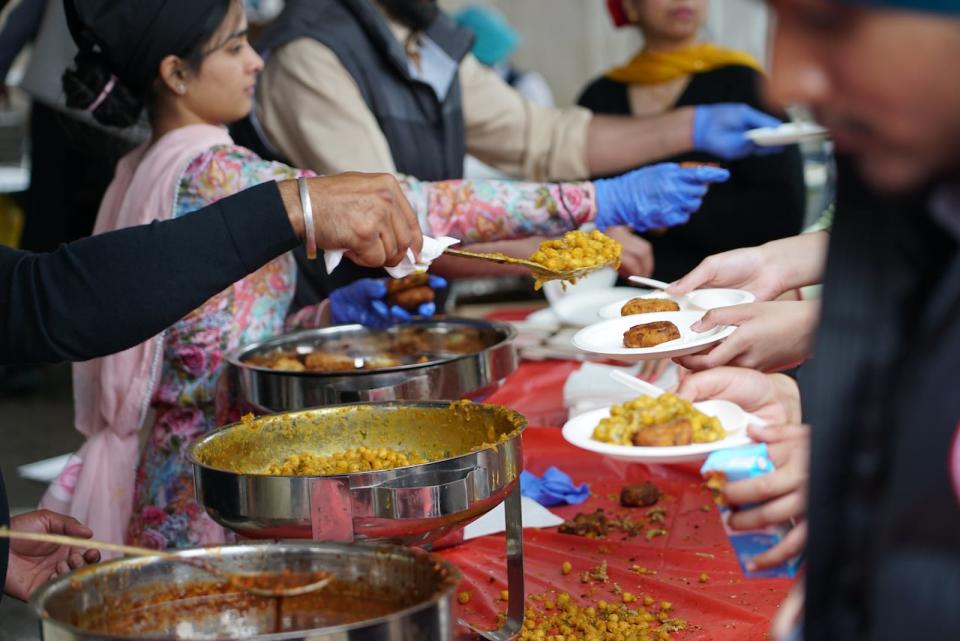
[881, 397]
[104, 294]
[764, 199]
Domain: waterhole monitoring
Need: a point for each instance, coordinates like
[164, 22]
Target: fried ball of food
[418, 279]
[287, 364]
[328, 362]
[678, 431]
[640, 495]
[650, 334]
[411, 299]
[648, 306]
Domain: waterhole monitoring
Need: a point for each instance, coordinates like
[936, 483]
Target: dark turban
[131, 37]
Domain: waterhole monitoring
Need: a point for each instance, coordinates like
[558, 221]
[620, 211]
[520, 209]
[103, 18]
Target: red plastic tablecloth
[725, 608]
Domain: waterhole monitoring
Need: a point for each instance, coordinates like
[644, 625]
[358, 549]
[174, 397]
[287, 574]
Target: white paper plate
[605, 339]
[698, 300]
[580, 308]
[786, 134]
[578, 431]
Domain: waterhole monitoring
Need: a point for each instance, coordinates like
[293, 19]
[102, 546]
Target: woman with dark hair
[765, 198]
[190, 64]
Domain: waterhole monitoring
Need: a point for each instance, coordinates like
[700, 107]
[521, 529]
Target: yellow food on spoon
[577, 250]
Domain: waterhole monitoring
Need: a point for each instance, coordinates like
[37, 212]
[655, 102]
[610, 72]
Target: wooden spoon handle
[77, 542]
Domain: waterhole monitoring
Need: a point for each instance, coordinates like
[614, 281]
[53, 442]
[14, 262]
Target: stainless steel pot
[448, 373]
[474, 462]
[385, 593]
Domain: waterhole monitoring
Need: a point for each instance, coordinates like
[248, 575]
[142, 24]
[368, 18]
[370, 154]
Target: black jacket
[106, 293]
[764, 199]
[881, 395]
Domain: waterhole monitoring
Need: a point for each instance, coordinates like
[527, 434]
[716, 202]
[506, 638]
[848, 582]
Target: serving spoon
[540, 272]
[250, 583]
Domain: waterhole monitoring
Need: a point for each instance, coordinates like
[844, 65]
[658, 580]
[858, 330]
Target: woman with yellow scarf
[765, 197]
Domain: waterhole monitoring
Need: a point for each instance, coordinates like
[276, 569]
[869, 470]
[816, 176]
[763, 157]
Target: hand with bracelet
[366, 214]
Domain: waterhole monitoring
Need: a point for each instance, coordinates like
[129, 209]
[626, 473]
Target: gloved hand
[719, 130]
[663, 195]
[364, 302]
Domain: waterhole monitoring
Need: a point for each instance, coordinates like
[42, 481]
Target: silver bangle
[307, 209]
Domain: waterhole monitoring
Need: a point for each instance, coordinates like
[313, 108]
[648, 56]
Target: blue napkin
[554, 488]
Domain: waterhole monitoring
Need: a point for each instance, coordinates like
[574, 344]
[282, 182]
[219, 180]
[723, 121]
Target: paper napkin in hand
[432, 250]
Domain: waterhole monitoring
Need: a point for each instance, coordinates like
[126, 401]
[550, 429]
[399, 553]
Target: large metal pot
[452, 368]
[384, 593]
[473, 454]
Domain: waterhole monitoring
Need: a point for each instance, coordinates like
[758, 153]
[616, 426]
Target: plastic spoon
[243, 582]
[649, 282]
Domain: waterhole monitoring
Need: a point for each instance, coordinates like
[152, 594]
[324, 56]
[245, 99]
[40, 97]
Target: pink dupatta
[112, 394]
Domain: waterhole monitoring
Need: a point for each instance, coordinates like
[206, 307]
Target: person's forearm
[798, 259]
[616, 144]
[147, 277]
[491, 210]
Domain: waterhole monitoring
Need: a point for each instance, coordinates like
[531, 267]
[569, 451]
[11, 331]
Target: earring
[181, 89]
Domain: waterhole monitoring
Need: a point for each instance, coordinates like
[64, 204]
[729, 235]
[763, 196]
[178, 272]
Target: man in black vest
[389, 85]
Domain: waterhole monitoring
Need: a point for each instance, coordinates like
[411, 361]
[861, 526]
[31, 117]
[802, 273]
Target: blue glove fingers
[371, 287]
[427, 309]
[437, 282]
[705, 174]
[400, 315]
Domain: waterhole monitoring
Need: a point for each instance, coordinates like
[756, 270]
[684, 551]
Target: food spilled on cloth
[660, 421]
[577, 250]
[650, 334]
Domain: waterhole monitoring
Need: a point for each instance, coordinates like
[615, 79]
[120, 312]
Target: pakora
[648, 306]
[650, 334]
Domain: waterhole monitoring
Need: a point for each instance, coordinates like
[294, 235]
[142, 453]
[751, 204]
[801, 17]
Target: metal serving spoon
[541, 273]
[250, 583]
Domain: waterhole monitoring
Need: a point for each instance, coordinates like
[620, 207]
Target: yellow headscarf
[651, 68]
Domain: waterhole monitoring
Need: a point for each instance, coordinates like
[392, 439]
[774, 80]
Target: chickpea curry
[655, 422]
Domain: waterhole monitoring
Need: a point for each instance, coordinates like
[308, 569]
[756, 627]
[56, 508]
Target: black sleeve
[605, 96]
[766, 195]
[106, 293]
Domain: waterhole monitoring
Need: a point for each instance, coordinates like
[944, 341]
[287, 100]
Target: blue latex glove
[363, 302]
[554, 488]
[663, 195]
[719, 130]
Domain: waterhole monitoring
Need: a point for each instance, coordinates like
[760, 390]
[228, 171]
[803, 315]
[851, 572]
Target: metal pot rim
[193, 447]
[235, 357]
[35, 602]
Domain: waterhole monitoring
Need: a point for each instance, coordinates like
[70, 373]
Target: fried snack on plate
[648, 306]
[678, 431]
[650, 334]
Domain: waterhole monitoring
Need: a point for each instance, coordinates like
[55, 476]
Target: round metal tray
[446, 374]
[381, 592]
[474, 462]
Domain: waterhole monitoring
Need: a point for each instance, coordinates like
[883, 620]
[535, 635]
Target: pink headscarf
[112, 394]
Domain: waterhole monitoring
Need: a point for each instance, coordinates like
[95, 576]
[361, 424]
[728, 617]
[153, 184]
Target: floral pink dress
[189, 399]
